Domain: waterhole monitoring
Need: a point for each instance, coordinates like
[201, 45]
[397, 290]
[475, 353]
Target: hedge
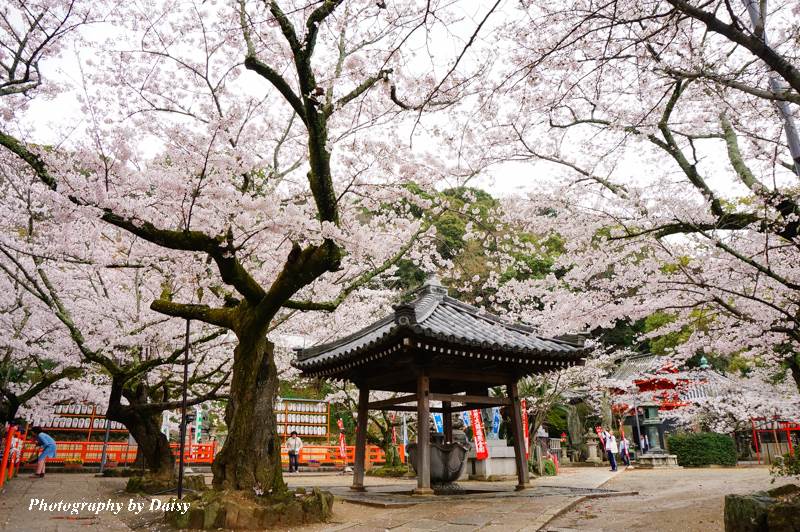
[703, 448]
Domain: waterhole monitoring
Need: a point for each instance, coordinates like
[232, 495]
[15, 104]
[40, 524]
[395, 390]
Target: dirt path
[681, 500]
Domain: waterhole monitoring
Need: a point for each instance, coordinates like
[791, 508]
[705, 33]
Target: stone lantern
[591, 446]
[655, 457]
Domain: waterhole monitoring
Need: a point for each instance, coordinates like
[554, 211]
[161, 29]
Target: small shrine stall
[662, 387]
[436, 348]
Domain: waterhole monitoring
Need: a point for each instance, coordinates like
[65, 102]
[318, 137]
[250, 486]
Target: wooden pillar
[361, 440]
[423, 435]
[518, 436]
[447, 416]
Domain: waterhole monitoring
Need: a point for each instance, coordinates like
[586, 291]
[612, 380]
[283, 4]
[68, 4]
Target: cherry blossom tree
[265, 138]
[670, 127]
[86, 294]
[31, 362]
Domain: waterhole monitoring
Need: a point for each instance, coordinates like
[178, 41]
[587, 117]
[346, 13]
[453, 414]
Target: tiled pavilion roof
[443, 324]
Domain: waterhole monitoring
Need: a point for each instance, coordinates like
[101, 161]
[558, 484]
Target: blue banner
[495, 433]
[438, 421]
[465, 417]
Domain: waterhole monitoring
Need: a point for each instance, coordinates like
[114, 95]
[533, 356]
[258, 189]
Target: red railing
[89, 452]
[312, 455]
[11, 446]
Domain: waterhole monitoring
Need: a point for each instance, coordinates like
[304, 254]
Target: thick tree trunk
[794, 367]
[152, 445]
[8, 410]
[250, 458]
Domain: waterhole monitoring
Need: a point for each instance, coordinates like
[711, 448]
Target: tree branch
[222, 317]
[753, 43]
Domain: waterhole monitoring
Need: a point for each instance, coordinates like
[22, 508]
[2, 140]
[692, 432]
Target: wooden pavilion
[436, 348]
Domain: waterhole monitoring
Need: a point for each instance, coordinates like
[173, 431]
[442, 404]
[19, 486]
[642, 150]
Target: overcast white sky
[56, 118]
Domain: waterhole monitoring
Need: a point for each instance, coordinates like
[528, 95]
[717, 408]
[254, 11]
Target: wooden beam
[518, 436]
[423, 465]
[379, 405]
[361, 440]
[482, 399]
[447, 417]
[457, 374]
[462, 408]
[400, 371]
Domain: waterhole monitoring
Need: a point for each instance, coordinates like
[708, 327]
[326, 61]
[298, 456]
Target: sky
[59, 117]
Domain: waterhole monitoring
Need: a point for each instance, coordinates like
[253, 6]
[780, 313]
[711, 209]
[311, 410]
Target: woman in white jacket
[293, 446]
[611, 449]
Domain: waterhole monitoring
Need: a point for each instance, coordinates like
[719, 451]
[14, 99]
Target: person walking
[643, 444]
[624, 450]
[48, 446]
[611, 449]
[293, 446]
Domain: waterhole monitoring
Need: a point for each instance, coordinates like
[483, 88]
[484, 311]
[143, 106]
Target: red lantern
[563, 437]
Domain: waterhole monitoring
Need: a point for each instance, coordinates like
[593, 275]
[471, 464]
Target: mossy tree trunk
[251, 456]
[144, 424]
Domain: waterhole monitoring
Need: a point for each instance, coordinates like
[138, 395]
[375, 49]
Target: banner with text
[495, 434]
[438, 421]
[476, 422]
[342, 443]
[524, 409]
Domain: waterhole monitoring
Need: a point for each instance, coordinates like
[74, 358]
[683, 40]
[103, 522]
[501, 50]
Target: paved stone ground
[19, 492]
[676, 500]
[507, 513]
[527, 511]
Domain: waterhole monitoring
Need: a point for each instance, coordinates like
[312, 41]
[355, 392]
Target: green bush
[703, 448]
[787, 466]
[549, 468]
[391, 471]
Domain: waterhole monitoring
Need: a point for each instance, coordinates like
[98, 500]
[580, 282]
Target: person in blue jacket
[48, 446]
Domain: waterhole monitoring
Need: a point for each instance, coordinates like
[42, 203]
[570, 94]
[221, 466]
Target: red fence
[11, 447]
[89, 452]
[774, 427]
[316, 455]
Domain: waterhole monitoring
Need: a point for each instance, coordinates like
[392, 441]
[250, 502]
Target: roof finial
[704, 362]
[433, 285]
[433, 280]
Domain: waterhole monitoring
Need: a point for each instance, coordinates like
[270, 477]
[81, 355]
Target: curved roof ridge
[425, 305]
[505, 322]
[304, 353]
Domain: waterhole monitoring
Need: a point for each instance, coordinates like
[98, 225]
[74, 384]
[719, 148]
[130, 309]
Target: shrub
[703, 448]
[549, 468]
[787, 466]
[390, 471]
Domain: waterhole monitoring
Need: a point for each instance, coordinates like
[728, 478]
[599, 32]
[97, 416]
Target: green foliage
[703, 448]
[556, 420]
[664, 344]
[393, 457]
[624, 334]
[304, 389]
[549, 468]
[390, 471]
[787, 466]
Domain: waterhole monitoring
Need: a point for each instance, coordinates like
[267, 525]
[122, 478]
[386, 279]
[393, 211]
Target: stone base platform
[657, 461]
[399, 496]
[501, 464]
